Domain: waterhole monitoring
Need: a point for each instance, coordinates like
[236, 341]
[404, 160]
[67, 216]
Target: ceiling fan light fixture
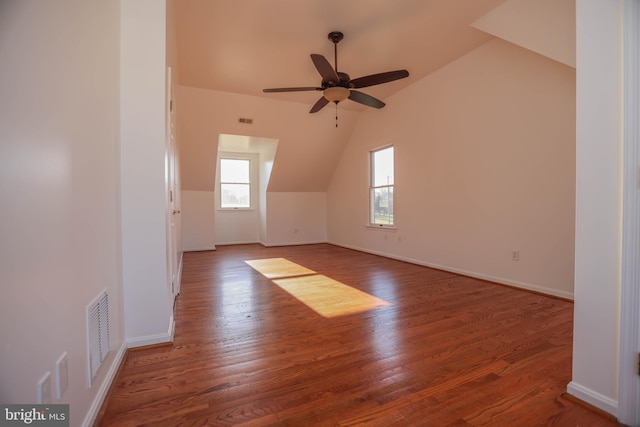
[336, 93]
[338, 86]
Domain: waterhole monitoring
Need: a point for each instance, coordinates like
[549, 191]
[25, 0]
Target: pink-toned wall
[547, 27]
[485, 165]
[305, 159]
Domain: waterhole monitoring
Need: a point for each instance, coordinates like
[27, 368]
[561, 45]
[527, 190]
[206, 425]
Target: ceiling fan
[337, 86]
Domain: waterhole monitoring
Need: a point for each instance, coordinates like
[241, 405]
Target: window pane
[234, 170]
[383, 167]
[235, 196]
[382, 211]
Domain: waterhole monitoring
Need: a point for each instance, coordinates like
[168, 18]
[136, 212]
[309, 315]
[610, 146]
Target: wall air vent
[245, 120]
[97, 333]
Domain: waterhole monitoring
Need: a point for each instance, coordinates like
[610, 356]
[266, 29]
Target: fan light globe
[336, 93]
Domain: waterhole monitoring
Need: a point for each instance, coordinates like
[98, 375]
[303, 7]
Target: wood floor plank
[435, 349]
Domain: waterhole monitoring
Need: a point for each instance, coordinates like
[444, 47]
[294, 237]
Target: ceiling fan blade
[365, 99]
[290, 89]
[376, 79]
[325, 69]
[319, 105]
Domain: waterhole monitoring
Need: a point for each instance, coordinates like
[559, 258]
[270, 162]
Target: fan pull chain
[336, 114]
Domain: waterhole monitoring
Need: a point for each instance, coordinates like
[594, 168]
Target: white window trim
[372, 225]
[253, 181]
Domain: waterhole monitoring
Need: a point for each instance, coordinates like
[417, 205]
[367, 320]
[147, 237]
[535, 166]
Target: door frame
[172, 207]
[629, 380]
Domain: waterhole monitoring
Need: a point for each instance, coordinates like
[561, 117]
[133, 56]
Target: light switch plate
[62, 375]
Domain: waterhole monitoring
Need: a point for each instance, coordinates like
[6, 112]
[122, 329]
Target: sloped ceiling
[245, 46]
[547, 27]
[228, 51]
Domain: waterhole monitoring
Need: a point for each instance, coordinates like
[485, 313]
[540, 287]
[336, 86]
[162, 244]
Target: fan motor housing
[344, 81]
[344, 78]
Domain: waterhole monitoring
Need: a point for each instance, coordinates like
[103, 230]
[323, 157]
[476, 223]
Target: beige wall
[172, 63]
[598, 203]
[147, 300]
[485, 164]
[198, 224]
[59, 175]
[296, 218]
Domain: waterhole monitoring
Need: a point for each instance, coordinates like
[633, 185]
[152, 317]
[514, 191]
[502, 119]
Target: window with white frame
[235, 183]
[381, 187]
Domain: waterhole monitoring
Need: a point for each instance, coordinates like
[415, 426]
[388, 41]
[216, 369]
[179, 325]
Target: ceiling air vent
[245, 120]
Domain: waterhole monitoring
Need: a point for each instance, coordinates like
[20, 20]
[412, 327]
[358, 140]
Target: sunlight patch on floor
[327, 297]
[276, 268]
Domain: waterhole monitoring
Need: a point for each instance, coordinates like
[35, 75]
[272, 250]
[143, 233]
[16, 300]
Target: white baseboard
[110, 377]
[179, 276]
[593, 398]
[240, 242]
[270, 245]
[172, 329]
[200, 249]
[153, 339]
[98, 400]
[500, 280]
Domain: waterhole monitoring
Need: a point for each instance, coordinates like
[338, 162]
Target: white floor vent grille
[97, 333]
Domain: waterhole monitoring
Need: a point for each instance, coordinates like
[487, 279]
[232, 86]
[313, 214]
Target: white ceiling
[244, 46]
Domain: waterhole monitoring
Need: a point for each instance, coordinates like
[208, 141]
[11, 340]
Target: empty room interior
[321, 213]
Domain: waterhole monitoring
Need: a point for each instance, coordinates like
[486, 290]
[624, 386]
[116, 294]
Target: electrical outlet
[515, 255]
[44, 389]
[62, 375]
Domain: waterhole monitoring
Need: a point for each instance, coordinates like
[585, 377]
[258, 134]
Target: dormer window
[235, 183]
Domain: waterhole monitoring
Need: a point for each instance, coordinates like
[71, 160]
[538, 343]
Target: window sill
[235, 209]
[382, 227]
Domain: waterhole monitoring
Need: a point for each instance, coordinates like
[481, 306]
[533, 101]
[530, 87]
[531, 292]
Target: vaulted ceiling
[245, 46]
[227, 52]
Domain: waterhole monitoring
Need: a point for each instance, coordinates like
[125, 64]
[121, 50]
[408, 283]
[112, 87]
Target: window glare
[234, 170]
[383, 167]
[383, 206]
[235, 196]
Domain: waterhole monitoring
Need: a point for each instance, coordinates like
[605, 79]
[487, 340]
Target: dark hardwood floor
[431, 348]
